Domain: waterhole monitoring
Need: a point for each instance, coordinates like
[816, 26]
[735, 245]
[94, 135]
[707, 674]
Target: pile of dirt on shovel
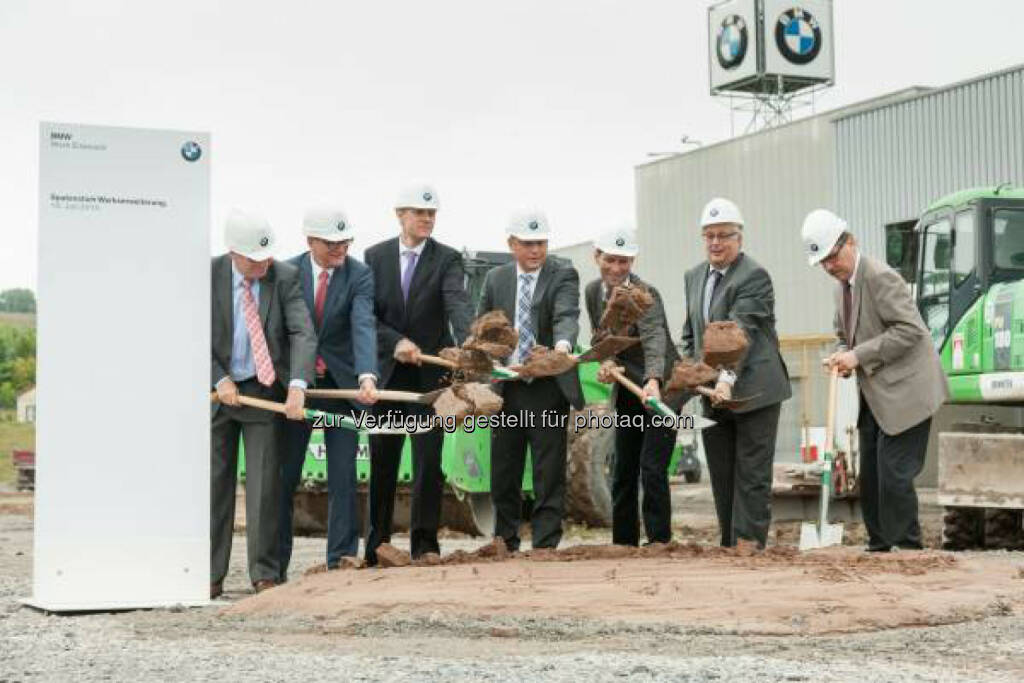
[687, 374]
[468, 398]
[471, 365]
[625, 306]
[725, 344]
[493, 334]
[545, 362]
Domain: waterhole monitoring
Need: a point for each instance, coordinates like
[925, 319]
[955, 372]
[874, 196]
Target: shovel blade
[812, 537]
[606, 348]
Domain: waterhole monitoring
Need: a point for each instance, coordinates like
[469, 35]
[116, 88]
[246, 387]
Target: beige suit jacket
[899, 371]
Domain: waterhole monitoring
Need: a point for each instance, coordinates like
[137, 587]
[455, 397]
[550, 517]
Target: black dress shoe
[879, 548]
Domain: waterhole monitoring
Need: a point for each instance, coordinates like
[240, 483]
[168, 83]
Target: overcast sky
[499, 104]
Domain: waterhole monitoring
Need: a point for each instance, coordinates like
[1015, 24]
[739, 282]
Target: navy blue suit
[347, 341]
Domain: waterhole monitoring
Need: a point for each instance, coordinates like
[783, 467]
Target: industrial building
[877, 163]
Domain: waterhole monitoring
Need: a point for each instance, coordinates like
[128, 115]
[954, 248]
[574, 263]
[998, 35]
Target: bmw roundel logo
[191, 151]
[814, 247]
[341, 226]
[264, 241]
[533, 225]
[427, 196]
[713, 212]
[798, 36]
[731, 45]
[620, 242]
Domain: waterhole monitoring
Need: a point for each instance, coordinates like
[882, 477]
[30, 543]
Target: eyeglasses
[331, 245]
[835, 250]
[720, 236]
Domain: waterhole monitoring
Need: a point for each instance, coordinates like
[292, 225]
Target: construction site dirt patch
[780, 591]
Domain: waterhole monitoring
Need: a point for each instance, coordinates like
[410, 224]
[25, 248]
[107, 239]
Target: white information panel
[123, 429]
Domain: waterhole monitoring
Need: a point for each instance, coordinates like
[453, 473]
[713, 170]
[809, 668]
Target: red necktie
[318, 310]
[260, 354]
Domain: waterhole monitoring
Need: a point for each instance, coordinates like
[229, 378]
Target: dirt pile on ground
[777, 591]
[725, 344]
[625, 306]
[390, 556]
[545, 362]
[467, 398]
[493, 334]
[687, 374]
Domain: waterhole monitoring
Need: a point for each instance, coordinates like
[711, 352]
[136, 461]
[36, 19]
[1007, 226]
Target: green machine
[965, 258]
[466, 462]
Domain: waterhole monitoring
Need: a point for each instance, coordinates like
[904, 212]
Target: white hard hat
[249, 234]
[528, 225]
[328, 223]
[822, 229]
[720, 210]
[618, 242]
[418, 196]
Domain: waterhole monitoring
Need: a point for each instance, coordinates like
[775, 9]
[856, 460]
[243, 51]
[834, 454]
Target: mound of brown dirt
[625, 306]
[493, 334]
[687, 374]
[544, 362]
[469, 398]
[471, 364]
[725, 344]
[390, 556]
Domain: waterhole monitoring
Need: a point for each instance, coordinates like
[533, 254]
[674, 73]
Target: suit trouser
[740, 450]
[259, 431]
[342, 509]
[888, 466]
[508, 462]
[641, 453]
[428, 479]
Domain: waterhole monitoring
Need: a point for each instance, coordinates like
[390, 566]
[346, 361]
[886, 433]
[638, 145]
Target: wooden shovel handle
[437, 360]
[830, 416]
[384, 394]
[263, 404]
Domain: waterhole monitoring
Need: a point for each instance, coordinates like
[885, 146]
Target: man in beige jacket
[883, 339]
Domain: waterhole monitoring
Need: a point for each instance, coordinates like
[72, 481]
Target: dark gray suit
[641, 453]
[555, 316]
[347, 341]
[438, 308]
[291, 342]
[740, 449]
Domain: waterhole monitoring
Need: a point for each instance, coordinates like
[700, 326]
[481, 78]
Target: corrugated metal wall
[776, 177]
[893, 161]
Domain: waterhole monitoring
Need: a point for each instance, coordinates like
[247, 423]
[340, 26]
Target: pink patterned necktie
[264, 367]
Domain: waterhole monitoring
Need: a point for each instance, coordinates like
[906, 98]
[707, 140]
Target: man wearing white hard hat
[338, 291]
[642, 453]
[731, 286]
[540, 295]
[263, 346]
[421, 307]
[884, 340]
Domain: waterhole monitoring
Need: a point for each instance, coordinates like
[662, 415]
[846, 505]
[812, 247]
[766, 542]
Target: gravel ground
[201, 644]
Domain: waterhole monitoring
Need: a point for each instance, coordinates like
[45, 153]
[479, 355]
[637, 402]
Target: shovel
[699, 422]
[824, 534]
[498, 372]
[382, 394]
[342, 421]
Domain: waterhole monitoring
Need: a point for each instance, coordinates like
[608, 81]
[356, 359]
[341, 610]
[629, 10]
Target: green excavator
[965, 260]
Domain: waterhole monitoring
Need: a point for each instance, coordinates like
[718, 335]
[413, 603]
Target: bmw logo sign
[264, 241]
[427, 196]
[191, 151]
[341, 226]
[620, 242]
[814, 247]
[714, 212]
[533, 225]
[798, 36]
[731, 45]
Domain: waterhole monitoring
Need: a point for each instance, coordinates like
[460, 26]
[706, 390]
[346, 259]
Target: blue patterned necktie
[523, 321]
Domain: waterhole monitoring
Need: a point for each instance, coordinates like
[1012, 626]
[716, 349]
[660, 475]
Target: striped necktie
[523, 318]
[260, 354]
